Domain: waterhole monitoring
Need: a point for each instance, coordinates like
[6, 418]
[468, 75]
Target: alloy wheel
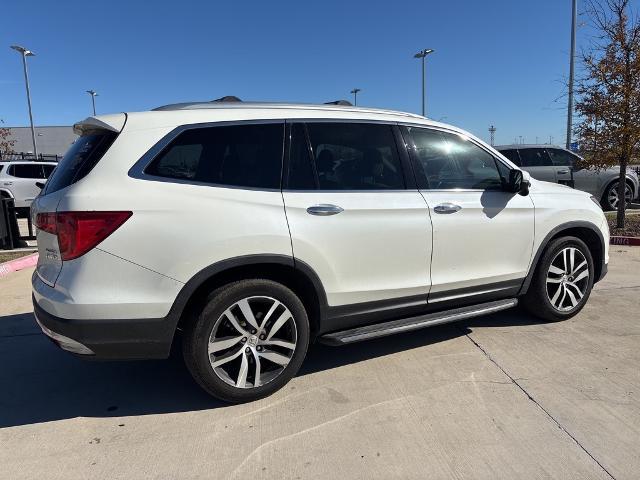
[613, 198]
[252, 342]
[567, 279]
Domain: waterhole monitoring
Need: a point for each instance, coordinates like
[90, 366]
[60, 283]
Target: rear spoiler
[113, 123]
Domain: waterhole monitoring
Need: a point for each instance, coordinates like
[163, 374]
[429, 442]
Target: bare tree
[609, 92]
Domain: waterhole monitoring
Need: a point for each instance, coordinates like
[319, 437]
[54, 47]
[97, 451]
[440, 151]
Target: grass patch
[631, 225]
[9, 255]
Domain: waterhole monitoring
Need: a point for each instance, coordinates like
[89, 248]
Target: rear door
[482, 234]
[353, 216]
[23, 184]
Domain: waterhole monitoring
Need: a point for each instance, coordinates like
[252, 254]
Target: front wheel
[248, 341]
[562, 281]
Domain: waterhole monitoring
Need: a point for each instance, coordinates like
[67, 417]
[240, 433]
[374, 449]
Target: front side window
[48, 169]
[561, 158]
[355, 156]
[237, 155]
[448, 161]
[534, 157]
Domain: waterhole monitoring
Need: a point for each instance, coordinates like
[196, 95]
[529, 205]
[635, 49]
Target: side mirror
[519, 182]
[40, 185]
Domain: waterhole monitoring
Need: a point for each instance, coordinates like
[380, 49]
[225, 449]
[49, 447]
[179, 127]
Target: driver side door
[482, 234]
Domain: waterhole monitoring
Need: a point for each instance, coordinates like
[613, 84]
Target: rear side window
[534, 157]
[26, 170]
[238, 155]
[80, 159]
[355, 156]
[512, 155]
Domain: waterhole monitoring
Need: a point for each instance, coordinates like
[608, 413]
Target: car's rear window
[80, 159]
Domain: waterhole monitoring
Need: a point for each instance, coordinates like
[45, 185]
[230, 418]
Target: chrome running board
[414, 323]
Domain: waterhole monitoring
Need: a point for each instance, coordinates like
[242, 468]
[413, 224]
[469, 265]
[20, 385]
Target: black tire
[197, 335]
[606, 203]
[537, 302]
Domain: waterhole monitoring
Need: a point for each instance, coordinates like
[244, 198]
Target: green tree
[609, 91]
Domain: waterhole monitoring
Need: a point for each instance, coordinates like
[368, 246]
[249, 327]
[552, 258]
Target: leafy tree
[609, 92]
[6, 143]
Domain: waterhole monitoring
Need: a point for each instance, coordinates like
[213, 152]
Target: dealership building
[54, 140]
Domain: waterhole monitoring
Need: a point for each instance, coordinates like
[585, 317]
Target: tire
[548, 302]
[610, 197]
[223, 350]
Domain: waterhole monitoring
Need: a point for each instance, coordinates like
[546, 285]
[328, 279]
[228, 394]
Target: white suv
[19, 180]
[247, 231]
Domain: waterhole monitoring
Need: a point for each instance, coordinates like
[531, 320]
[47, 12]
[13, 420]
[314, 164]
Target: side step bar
[414, 323]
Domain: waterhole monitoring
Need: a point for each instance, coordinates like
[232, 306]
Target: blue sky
[501, 62]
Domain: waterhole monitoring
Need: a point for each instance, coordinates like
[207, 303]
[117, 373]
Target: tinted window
[84, 154]
[48, 169]
[534, 157]
[301, 174]
[451, 161]
[24, 170]
[561, 158]
[355, 156]
[511, 155]
[238, 155]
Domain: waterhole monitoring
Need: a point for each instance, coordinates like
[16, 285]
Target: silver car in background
[554, 164]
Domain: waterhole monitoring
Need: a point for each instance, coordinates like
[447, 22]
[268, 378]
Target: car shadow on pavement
[41, 383]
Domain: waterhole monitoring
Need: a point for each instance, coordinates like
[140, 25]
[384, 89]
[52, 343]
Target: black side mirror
[40, 185]
[518, 183]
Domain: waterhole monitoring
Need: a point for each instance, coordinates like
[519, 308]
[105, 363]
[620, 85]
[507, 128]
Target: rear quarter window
[80, 159]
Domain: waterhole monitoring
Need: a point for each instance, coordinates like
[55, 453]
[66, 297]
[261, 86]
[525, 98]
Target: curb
[18, 264]
[625, 241]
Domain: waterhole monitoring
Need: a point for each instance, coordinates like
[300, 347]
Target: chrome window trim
[137, 171]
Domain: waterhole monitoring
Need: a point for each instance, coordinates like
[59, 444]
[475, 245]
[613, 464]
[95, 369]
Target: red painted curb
[626, 241]
[18, 264]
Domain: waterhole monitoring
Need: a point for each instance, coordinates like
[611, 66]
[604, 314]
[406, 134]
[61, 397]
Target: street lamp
[355, 95]
[93, 94]
[422, 54]
[27, 53]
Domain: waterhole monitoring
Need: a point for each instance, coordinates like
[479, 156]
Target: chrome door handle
[324, 210]
[447, 208]
[563, 171]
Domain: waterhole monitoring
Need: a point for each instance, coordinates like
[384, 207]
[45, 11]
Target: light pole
[574, 13]
[93, 94]
[27, 53]
[422, 54]
[492, 132]
[355, 95]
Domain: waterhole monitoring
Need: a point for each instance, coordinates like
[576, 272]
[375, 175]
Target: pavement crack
[546, 412]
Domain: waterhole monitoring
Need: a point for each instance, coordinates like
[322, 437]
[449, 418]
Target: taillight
[79, 232]
[46, 222]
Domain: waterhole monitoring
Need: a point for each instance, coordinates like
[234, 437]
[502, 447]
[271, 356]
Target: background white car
[18, 180]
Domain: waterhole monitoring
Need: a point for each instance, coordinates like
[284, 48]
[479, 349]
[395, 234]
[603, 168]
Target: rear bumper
[121, 339]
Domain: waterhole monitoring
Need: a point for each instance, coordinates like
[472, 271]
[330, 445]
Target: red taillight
[46, 222]
[79, 232]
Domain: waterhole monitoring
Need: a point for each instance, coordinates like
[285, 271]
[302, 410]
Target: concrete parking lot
[502, 396]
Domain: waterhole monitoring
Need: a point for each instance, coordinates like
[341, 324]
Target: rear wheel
[610, 199]
[562, 281]
[248, 341]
